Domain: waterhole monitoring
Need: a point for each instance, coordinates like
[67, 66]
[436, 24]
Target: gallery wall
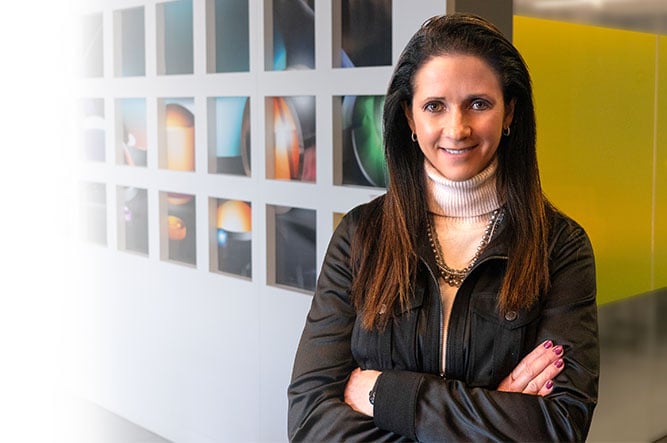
[209, 175]
[219, 142]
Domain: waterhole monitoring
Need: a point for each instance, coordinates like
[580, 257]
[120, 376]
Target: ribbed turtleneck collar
[468, 198]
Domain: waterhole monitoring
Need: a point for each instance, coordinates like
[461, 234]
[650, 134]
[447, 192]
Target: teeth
[456, 151]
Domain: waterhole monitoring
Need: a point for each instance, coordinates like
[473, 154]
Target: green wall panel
[594, 93]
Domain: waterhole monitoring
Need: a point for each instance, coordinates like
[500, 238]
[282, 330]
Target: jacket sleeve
[427, 407]
[324, 361]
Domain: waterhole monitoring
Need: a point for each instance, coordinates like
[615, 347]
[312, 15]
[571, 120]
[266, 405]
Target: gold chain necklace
[454, 277]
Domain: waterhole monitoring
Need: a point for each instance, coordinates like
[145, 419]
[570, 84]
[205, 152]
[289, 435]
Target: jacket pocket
[395, 347]
[497, 342]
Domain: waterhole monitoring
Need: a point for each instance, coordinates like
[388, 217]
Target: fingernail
[548, 344]
[558, 350]
[559, 363]
[550, 384]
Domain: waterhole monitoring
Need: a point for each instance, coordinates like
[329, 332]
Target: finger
[559, 365]
[529, 361]
[542, 384]
[533, 379]
[547, 388]
[534, 364]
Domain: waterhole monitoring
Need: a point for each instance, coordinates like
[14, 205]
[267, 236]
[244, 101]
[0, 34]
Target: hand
[357, 389]
[534, 374]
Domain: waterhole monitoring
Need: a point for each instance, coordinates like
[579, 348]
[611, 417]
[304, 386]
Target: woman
[461, 304]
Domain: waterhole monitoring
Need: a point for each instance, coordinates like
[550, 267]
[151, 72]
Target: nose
[456, 126]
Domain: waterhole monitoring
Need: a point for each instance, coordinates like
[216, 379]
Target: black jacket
[413, 401]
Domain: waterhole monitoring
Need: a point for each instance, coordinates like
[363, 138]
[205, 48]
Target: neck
[468, 198]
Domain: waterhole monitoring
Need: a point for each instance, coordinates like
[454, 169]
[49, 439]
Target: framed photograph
[362, 33]
[178, 221]
[131, 145]
[229, 135]
[132, 219]
[291, 40]
[228, 36]
[291, 141]
[175, 53]
[129, 42]
[232, 230]
[292, 247]
[359, 149]
[176, 134]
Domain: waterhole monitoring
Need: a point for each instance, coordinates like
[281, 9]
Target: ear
[407, 110]
[509, 113]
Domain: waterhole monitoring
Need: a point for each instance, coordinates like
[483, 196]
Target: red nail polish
[559, 363]
[558, 350]
[548, 344]
[550, 384]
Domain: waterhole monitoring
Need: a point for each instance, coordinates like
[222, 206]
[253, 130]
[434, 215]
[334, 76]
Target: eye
[480, 104]
[434, 107]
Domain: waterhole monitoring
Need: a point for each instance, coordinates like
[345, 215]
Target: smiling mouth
[458, 151]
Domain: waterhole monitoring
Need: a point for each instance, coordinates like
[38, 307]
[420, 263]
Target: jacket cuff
[396, 402]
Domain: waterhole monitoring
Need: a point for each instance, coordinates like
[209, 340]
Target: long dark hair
[385, 247]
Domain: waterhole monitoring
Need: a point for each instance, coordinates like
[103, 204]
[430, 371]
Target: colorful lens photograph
[293, 35]
[132, 219]
[180, 223]
[233, 233]
[175, 53]
[363, 151]
[229, 135]
[291, 133]
[178, 134]
[365, 33]
[231, 37]
[295, 246]
[132, 145]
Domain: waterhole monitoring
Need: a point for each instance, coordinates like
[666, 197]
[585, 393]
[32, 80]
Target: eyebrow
[468, 97]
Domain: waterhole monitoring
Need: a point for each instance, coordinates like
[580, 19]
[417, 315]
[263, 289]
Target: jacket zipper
[477, 265]
[441, 360]
[441, 363]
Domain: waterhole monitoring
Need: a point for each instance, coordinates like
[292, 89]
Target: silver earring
[413, 137]
[506, 131]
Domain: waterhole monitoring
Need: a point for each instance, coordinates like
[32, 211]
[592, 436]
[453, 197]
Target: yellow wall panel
[660, 265]
[594, 96]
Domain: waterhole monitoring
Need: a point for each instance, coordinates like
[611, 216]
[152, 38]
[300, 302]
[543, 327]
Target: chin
[456, 174]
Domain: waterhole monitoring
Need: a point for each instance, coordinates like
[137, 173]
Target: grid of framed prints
[207, 126]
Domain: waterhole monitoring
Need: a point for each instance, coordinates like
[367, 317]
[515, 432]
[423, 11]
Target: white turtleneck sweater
[460, 211]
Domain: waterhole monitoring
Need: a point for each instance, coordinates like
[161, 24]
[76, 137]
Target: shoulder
[563, 227]
[365, 212]
[356, 220]
[567, 239]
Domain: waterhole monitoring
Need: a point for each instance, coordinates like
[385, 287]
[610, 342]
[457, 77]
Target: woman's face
[458, 114]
